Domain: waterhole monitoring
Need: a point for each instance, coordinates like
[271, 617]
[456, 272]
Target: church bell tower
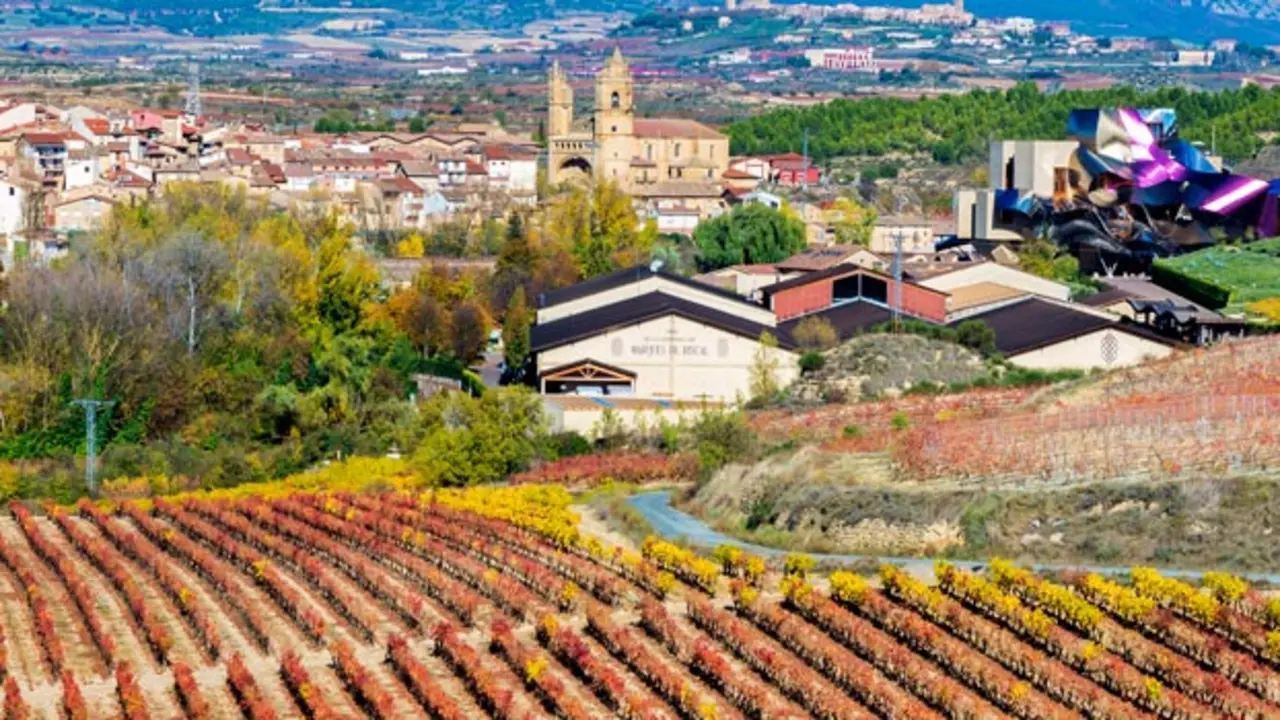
[613, 120]
[559, 103]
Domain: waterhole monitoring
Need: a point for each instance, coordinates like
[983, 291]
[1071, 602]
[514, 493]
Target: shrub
[977, 335]
[900, 421]
[721, 437]
[566, 444]
[852, 431]
[815, 334]
[9, 475]
[798, 564]
[812, 361]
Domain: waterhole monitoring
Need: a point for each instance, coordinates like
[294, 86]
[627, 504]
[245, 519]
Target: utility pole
[895, 304]
[91, 440]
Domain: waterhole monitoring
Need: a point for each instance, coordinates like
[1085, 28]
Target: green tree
[746, 235]
[852, 221]
[515, 265]
[719, 437]
[600, 226]
[515, 335]
[1044, 259]
[977, 335]
[764, 370]
[478, 440]
[417, 124]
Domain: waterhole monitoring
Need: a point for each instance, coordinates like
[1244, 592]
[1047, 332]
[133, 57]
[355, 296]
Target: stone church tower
[653, 159]
[569, 151]
[559, 103]
[613, 122]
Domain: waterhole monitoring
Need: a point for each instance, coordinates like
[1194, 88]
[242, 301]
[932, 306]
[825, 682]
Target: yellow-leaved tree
[411, 247]
[598, 228]
[852, 221]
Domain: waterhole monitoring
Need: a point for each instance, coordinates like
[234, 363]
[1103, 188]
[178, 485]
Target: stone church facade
[662, 162]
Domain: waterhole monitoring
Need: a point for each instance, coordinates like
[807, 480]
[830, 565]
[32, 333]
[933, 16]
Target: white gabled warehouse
[1047, 335]
[993, 272]
[647, 334]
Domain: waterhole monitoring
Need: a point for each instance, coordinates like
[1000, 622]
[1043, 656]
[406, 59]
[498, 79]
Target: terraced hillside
[491, 603]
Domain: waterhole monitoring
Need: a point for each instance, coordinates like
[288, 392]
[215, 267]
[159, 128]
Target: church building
[664, 163]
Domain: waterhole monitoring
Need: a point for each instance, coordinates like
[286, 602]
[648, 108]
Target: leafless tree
[185, 274]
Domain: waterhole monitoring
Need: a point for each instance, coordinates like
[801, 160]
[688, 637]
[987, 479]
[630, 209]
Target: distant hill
[957, 129]
[1253, 21]
[231, 17]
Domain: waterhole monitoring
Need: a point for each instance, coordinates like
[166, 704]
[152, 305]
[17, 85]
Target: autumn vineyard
[491, 603]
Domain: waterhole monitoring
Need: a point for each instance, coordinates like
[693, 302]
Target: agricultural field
[491, 602]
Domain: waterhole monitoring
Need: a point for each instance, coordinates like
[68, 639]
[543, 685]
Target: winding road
[670, 523]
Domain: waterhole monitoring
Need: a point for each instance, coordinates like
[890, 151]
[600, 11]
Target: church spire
[616, 61]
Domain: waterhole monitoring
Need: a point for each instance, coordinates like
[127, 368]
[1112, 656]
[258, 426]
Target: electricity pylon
[91, 440]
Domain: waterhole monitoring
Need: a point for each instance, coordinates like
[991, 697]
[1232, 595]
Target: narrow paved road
[672, 524]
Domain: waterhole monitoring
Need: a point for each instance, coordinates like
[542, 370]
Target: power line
[91, 440]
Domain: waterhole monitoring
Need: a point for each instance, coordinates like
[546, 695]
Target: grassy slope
[1252, 271]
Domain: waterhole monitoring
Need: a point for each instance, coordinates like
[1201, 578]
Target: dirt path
[594, 522]
[212, 680]
[156, 682]
[26, 659]
[82, 656]
[265, 668]
[696, 685]
[185, 649]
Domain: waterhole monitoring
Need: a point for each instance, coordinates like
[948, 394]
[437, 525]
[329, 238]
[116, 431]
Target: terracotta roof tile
[44, 138]
[673, 128]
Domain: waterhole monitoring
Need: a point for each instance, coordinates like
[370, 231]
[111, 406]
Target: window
[648, 151]
[616, 101]
[613, 128]
[676, 150]
[1060, 180]
[13, 191]
[712, 151]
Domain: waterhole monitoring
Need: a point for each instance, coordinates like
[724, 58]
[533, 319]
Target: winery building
[643, 333]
